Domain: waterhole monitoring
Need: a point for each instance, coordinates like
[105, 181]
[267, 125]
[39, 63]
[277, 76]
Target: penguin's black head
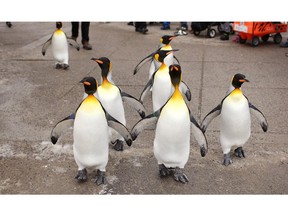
[238, 80]
[58, 25]
[90, 85]
[165, 39]
[175, 74]
[161, 54]
[104, 64]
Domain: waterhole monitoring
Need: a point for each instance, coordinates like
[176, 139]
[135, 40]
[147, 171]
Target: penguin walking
[172, 134]
[90, 134]
[112, 97]
[235, 110]
[59, 44]
[161, 84]
[154, 65]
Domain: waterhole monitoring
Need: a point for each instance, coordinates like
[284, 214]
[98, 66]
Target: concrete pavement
[34, 96]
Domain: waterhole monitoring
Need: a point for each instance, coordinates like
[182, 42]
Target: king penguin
[160, 83]
[154, 65]
[112, 97]
[172, 135]
[235, 120]
[90, 134]
[59, 45]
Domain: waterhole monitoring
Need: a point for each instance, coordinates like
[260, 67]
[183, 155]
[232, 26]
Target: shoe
[73, 38]
[141, 30]
[180, 32]
[86, 45]
[165, 28]
[130, 23]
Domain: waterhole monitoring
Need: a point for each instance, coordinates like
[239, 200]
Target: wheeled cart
[255, 30]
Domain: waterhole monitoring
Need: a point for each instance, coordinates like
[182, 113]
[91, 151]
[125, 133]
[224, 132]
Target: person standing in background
[141, 27]
[84, 32]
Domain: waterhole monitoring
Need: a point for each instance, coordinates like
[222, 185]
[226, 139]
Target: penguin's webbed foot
[180, 176]
[58, 66]
[81, 175]
[119, 145]
[65, 66]
[100, 177]
[227, 159]
[163, 170]
[239, 152]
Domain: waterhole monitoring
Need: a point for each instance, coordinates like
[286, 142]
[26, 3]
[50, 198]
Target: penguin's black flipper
[147, 88]
[210, 116]
[199, 136]
[46, 45]
[135, 103]
[61, 127]
[141, 63]
[120, 128]
[185, 90]
[73, 43]
[149, 121]
[176, 59]
[259, 116]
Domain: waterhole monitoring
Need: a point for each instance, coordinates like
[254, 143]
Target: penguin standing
[235, 127]
[90, 134]
[160, 82]
[164, 45]
[112, 97]
[59, 45]
[172, 134]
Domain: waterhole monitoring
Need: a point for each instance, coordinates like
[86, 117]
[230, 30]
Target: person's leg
[165, 26]
[141, 27]
[184, 25]
[85, 35]
[75, 29]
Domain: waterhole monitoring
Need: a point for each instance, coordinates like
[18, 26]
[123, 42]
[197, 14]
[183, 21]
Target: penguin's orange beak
[244, 80]
[97, 60]
[87, 83]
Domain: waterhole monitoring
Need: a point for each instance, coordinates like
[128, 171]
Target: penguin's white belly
[112, 102]
[235, 123]
[153, 67]
[60, 48]
[161, 90]
[169, 59]
[91, 139]
[172, 137]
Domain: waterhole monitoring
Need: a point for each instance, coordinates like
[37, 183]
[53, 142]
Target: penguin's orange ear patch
[87, 83]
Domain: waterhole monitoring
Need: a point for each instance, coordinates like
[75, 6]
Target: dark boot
[86, 45]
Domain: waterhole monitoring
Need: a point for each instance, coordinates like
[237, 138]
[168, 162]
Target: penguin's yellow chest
[107, 90]
[166, 47]
[236, 96]
[59, 32]
[176, 105]
[90, 105]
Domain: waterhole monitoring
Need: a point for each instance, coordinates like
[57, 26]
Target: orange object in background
[255, 30]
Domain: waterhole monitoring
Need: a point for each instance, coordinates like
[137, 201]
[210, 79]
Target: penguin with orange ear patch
[235, 127]
[59, 44]
[172, 131]
[91, 125]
